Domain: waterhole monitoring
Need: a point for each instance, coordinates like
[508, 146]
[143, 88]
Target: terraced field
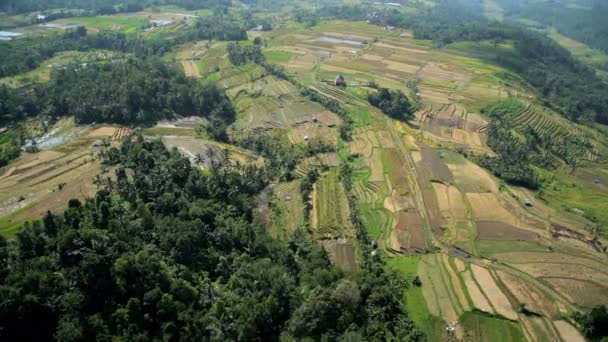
[416, 195]
[39, 182]
[330, 218]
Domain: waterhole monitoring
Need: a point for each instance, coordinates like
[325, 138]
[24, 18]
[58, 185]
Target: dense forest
[583, 20]
[166, 252]
[129, 92]
[243, 54]
[512, 161]
[392, 103]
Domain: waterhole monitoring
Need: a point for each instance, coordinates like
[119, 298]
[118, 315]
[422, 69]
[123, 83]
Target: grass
[585, 53]
[483, 327]
[287, 215]
[568, 193]
[129, 25]
[277, 56]
[9, 228]
[331, 206]
[414, 300]
[159, 131]
[438, 84]
[360, 116]
[488, 248]
[178, 10]
[201, 66]
[423, 42]
[505, 108]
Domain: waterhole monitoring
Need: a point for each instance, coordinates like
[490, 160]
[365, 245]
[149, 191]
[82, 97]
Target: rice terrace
[304, 171]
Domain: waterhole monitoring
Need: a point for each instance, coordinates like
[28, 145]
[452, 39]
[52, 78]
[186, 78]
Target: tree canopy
[166, 252]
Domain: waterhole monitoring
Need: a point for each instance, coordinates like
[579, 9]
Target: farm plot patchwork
[38, 182]
[459, 196]
[453, 125]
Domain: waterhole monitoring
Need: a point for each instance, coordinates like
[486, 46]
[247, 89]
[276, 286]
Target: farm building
[340, 82]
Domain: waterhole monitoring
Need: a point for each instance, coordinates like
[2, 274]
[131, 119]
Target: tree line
[581, 20]
[25, 54]
[131, 91]
[166, 252]
[104, 7]
[393, 103]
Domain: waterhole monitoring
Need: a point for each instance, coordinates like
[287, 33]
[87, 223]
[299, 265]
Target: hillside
[274, 171]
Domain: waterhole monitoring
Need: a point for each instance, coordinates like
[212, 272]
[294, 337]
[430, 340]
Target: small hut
[340, 82]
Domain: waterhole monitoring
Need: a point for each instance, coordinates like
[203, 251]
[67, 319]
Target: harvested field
[395, 202]
[427, 289]
[103, 132]
[459, 264]
[561, 270]
[480, 301]
[552, 257]
[341, 253]
[455, 282]
[533, 299]
[568, 332]
[408, 233]
[538, 329]
[497, 298]
[451, 201]
[497, 207]
[288, 209]
[439, 288]
[394, 167]
[361, 145]
[432, 167]
[585, 294]
[47, 180]
[499, 230]
[469, 177]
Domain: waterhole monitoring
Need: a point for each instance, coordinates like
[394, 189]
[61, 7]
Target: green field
[586, 53]
[277, 56]
[414, 300]
[483, 327]
[125, 24]
[488, 248]
[331, 207]
[570, 194]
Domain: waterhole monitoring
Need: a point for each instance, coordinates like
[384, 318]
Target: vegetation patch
[331, 208]
[482, 327]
